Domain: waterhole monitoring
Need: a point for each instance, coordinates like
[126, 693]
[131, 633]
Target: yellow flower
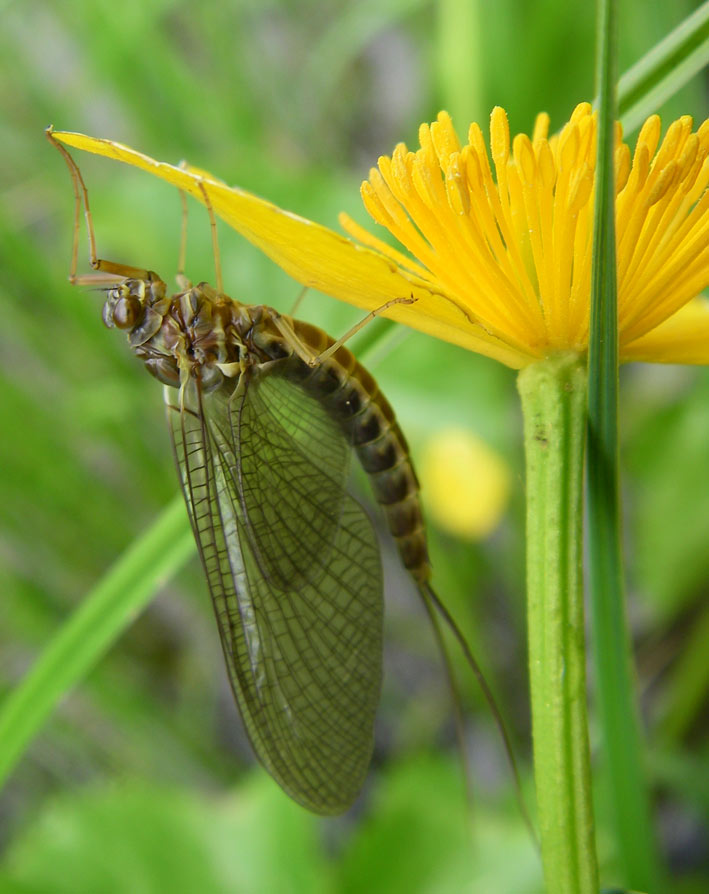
[467, 483]
[503, 252]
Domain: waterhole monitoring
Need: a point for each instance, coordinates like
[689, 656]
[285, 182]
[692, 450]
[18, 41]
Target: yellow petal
[683, 338]
[318, 257]
[466, 484]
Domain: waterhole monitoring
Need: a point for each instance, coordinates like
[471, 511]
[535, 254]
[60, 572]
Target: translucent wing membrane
[291, 465]
[294, 571]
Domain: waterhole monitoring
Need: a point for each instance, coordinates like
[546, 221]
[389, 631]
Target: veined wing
[290, 462]
[305, 659]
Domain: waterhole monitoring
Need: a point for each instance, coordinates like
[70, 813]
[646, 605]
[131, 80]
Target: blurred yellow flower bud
[465, 482]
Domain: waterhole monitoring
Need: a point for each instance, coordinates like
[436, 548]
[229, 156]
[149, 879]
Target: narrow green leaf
[458, 60]
[686, 694]
[664, 69]
[91, 630]
[622, 748]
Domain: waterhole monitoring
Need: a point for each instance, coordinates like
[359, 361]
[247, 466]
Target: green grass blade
[459, 60]
[91, 630]
[622, 748]
[664, 69]
[686, 693]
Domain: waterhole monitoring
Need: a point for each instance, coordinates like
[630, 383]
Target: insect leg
[306, 354]
[215, 240]
[106, 270]
[292, 312]
[363, 322]
[182, 282]
[298, 346]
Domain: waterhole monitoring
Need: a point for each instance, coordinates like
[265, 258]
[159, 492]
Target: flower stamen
[508, 235]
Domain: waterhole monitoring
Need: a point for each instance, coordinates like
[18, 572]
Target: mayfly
[264, 411]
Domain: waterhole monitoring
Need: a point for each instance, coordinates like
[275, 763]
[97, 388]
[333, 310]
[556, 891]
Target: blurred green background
[143, 779]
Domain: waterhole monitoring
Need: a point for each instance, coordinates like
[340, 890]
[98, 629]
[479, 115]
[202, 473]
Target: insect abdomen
[353, 398]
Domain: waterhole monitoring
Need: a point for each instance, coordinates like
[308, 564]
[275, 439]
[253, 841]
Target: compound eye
[126, 312]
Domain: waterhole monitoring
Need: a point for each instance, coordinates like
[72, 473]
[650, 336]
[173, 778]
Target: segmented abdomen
[351, 395]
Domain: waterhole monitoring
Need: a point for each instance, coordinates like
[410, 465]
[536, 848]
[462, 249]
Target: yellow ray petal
[684, 338]
[316, 256]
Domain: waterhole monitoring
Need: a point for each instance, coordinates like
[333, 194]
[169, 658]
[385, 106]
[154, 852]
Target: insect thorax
[197, 332]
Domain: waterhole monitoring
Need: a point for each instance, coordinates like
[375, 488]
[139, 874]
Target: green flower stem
[93, 628]
[553, 396]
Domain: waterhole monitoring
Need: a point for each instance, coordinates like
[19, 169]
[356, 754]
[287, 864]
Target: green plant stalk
[553, 396]
[458, 59]
[664, 69]
[617, 711]
[91, 630]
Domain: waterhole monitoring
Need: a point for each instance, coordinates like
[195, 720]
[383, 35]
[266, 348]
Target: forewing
[289, 461]
[304, 660]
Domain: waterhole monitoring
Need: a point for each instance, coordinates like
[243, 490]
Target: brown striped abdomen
[351, 395]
